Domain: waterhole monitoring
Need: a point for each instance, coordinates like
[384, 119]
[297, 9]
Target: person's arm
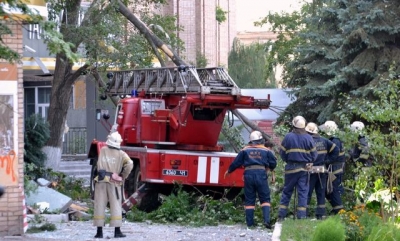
[127, 165]
[333, 152]
[239, 161]
[282, 150]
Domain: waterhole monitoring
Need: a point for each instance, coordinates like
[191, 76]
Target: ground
[150, 231]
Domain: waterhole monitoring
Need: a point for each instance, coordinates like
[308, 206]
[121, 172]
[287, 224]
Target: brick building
[12, 139]
[202, 33]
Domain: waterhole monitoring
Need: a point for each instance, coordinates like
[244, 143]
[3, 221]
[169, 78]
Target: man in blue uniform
[257, 160]
[298, 151]
[360, 152]
[334, 188]
[327, 152]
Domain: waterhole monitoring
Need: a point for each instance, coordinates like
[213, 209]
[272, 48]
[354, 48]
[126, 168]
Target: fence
[74, 141]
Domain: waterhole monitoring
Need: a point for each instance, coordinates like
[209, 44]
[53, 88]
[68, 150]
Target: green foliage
[384, 233]
[230, 137]
[39, 224]
[330, 229]
[190, 209]
[298, 230]
[247, 65]
[220, 15]
[36, 134]
[201, 60]
[7, 19]
[359, 222]
[379, 111]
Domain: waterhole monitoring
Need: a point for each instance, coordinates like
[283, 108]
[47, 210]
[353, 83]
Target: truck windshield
[148, 106]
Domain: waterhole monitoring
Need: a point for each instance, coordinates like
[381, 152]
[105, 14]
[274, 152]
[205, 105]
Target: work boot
[265, 212]
[118, 233]
[267, 226]
[250, 217]
[99, 233]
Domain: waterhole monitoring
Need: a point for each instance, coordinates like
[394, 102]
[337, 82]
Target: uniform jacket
[115, 161]
[254, 154]
[341, 157]
[298, 146]
[360, 151]
[327, 150]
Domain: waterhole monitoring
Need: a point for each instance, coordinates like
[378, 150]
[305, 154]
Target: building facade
[202, 34]
[12, 213]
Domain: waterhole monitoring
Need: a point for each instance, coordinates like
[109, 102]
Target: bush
[385, 232]
[37, 133]
[330, 229]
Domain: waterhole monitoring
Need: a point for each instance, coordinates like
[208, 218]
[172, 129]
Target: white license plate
[172, 172]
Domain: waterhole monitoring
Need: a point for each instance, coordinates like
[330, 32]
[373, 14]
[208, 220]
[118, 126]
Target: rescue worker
[113, 166]
[327, 151]
[257, 160]
[336, 167]
[299, 152]
[360, 152]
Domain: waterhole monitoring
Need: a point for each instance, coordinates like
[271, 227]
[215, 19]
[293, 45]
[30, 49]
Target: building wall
[12, 138]
[202, 34]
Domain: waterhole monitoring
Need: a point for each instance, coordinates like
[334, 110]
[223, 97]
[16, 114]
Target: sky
[249, 11]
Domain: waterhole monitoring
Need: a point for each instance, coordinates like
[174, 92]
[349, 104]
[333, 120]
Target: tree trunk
[61, 89]
[148, 34]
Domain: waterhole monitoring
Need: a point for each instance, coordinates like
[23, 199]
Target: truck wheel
[150, 200]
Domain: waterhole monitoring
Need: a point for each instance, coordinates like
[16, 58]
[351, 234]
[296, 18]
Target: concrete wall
[12, 135]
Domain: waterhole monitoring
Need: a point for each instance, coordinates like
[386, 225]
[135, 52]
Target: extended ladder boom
[172, 80]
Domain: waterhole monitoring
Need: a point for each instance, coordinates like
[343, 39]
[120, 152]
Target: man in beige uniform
[113, 166]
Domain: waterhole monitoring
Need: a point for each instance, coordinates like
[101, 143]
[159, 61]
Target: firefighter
[327, 151]
[113, 166]
[335, 168]
[360, 152]
[257, 161]
[299, 152]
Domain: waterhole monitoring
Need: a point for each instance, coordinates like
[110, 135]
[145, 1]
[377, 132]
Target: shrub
[385, 232]
[37, 132]
[330, 229]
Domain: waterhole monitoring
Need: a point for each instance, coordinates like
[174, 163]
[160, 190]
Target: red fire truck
[170, 120]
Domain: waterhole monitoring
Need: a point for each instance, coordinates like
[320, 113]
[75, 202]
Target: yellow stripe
[320, 152]
[98, 217]
[341, 153]
[300, 150]
[301, 208]
[333, 147]
[282, 206]
[116, 218]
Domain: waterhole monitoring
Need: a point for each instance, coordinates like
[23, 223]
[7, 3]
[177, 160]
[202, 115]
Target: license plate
[172, 172]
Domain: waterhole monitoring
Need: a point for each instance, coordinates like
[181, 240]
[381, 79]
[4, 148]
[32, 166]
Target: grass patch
[298, 230]
[44, 227]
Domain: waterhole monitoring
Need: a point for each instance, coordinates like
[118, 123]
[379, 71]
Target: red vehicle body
[170, 126]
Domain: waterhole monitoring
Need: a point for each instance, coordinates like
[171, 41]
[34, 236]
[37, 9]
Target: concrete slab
[276, 234]
[58, 202]
[43, 182]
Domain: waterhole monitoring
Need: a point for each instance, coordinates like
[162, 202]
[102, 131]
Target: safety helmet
[114, 140]
[256, 136]
[357, 126]
[312, 128]
[299, 122]
[330, 127]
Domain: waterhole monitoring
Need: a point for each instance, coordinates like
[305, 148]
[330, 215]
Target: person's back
[256, 159]
[326, 150]
[297, 150]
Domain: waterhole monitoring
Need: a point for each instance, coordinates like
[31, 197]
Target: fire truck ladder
[172, 80]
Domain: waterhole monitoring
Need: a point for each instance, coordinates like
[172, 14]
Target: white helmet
[330, 127]
[114, 140]
[299, 122]
[255, 136]
[357, 126]
[312, 128]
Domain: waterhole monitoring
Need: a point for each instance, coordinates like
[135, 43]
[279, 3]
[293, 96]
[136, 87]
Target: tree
[102, 38]
[247, 65]
[345, 46]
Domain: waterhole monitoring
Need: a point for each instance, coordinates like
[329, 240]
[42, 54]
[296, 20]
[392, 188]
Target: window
[37, 100]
